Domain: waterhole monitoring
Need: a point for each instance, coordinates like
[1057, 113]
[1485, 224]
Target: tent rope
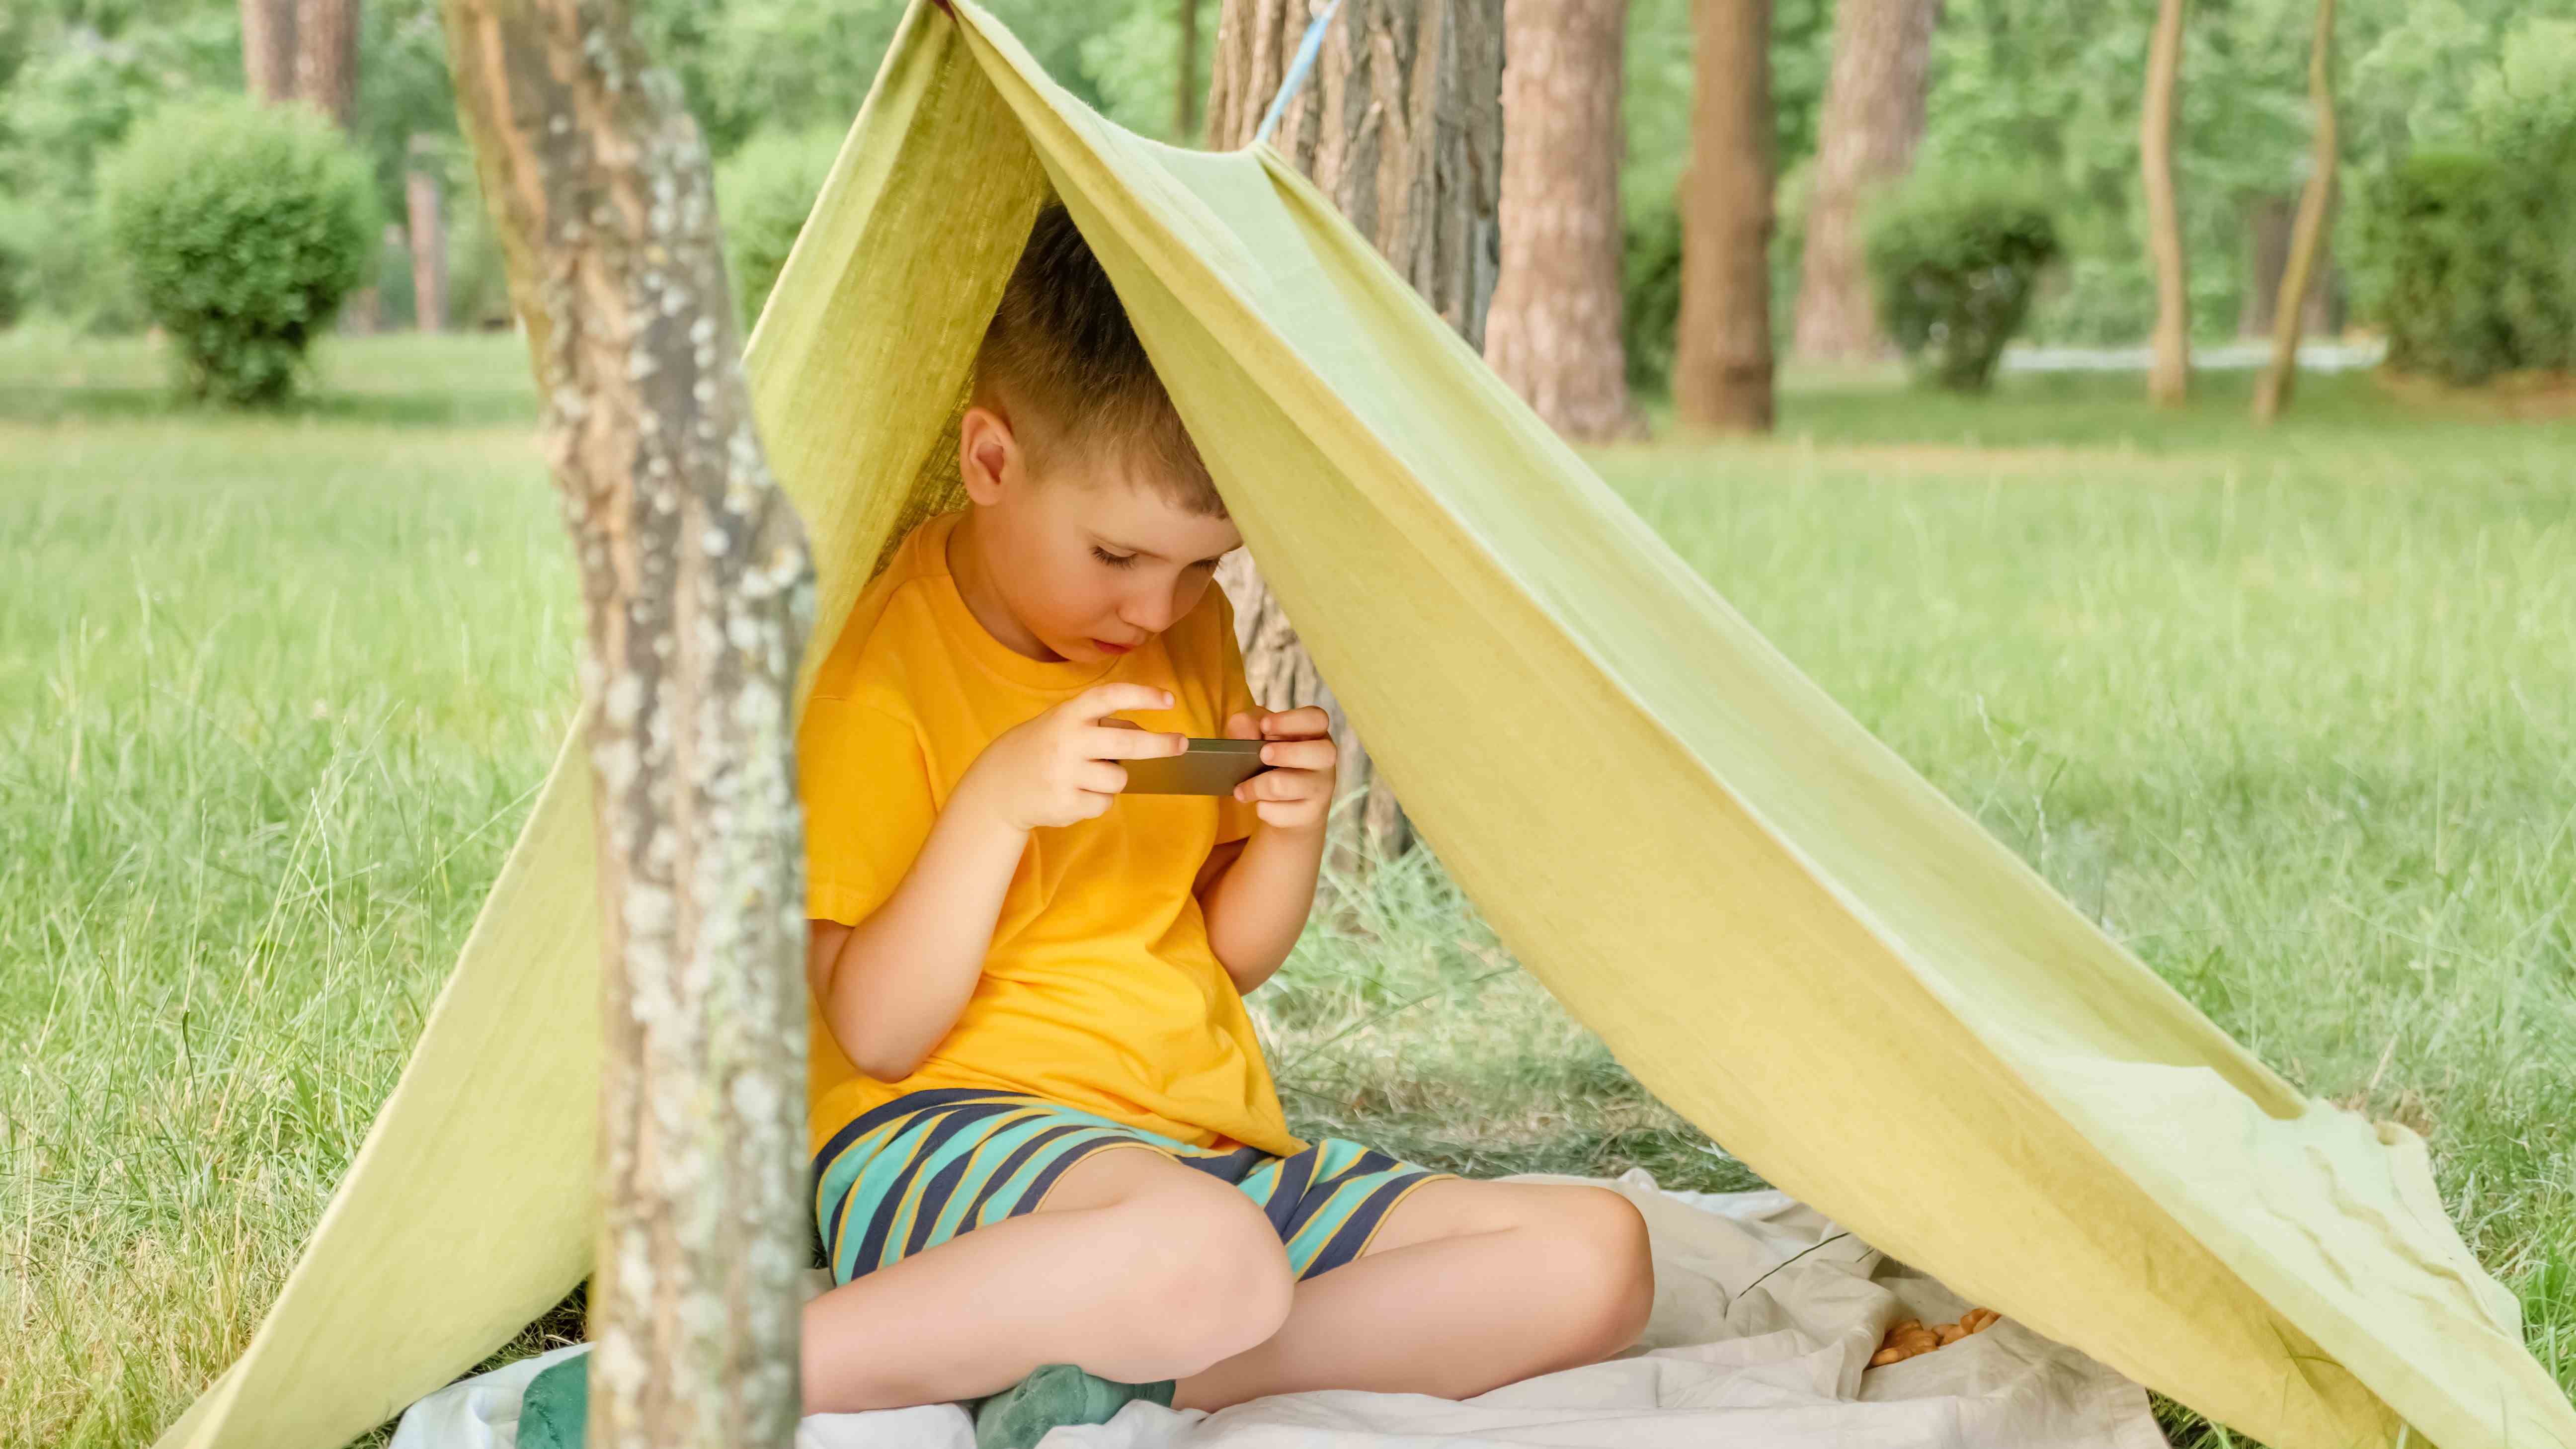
[1305, 61]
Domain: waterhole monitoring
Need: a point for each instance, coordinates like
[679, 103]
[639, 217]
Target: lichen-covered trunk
[697, 593]
[427, 228]
[2272, 390]
[1722, 360]
[326, 58]
[1553, 329]
[268, 50]
[2169, 372]
[1401, 125]
[1865, 140]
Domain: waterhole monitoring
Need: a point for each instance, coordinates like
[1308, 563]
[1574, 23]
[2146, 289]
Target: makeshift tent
[1784, 932]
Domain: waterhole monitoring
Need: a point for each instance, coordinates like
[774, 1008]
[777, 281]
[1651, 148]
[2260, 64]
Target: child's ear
[987, 453]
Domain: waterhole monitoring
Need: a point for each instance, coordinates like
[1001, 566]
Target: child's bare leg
[1468, 1286]
[1136, 1268]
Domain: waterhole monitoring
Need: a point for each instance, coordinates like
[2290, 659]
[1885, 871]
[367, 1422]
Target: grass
[2292, 713]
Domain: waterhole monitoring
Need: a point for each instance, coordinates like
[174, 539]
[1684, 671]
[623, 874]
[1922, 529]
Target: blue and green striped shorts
[927, 1166]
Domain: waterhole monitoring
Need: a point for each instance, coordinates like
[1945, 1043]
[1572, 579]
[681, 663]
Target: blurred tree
[1185, 77]
[1722, 374]
[1553, 331]
[1401, 125]
[1866, 139]
[2272, 389]
[268, 49]
[326, 58]
[425, 235]
[2169, 375]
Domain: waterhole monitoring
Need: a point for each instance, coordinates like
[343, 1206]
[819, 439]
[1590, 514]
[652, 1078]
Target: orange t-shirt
[1099, 990]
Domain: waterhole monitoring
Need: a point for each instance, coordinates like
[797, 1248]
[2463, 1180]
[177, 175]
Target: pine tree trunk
[1722, 362]
[1553, 330]
[428, 234]
[2169, 374]
[1401, 125]
[2272, 390]
[268, 50]
[1865, 140]
[1185, 89]
[697, 592]
[326, 58]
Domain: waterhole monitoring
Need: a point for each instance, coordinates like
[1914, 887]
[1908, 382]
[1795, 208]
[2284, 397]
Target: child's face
[1054, 544]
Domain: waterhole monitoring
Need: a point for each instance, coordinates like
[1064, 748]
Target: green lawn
[2294, 714]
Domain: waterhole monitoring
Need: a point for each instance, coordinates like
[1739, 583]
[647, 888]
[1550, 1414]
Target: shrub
[763, 193]
[2469, 257]
[1956, 263]
[243, 227]
[17, 264]
[2472, 265]
[1650, 301]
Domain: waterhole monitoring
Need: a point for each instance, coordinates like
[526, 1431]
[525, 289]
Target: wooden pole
[2169, 375]
[697, 593]
[2272, 390]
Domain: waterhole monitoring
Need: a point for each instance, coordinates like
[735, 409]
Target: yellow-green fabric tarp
[1786, 933]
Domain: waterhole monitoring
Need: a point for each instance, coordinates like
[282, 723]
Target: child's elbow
[885, 1061]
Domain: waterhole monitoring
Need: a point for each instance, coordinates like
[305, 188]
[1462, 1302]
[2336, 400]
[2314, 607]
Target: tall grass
[2292, 714]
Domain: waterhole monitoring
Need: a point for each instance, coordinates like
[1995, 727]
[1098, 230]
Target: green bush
[2472, 265]
[2469, 256]
[243, 226]
[763, 192]
[17, 264]
[1956, 263]
[1650, 300]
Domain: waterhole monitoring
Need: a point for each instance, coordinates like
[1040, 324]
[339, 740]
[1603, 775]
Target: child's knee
[1615, 1266]
[1213, 1279]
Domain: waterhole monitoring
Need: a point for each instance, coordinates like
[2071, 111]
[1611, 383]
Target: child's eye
[1114, 560]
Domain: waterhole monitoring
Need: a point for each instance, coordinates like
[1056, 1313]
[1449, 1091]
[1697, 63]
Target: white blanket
[1765, 1319]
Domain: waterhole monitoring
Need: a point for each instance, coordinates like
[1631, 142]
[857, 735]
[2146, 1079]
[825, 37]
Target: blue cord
[1305, 61]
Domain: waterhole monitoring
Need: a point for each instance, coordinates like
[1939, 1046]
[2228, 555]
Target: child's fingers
[1303, 723]
[1299, 754]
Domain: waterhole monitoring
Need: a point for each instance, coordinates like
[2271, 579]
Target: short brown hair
[1061, 353]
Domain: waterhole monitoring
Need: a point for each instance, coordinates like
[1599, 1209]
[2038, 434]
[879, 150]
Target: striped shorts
[927, 1166]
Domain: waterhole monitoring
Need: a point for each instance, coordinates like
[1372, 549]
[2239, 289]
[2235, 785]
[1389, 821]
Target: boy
[1051, 1170]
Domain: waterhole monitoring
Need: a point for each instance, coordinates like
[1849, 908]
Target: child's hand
[1298, 792]
[1062, 766]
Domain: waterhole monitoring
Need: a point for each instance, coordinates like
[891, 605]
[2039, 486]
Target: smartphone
[1211, 767]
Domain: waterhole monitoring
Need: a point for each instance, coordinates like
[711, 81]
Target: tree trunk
[1185, 90]
[697, 593]
[1722, 363]
[1401, 125]
[1553, 331]
[326, 58]
[1865, 139]
[2272, 390]
[428, 231]
[2267, 255]
[2169, 375]
[268, 50]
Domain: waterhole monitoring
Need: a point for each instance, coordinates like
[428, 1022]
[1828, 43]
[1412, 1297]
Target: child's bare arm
[1256, 904]
[893, 985]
